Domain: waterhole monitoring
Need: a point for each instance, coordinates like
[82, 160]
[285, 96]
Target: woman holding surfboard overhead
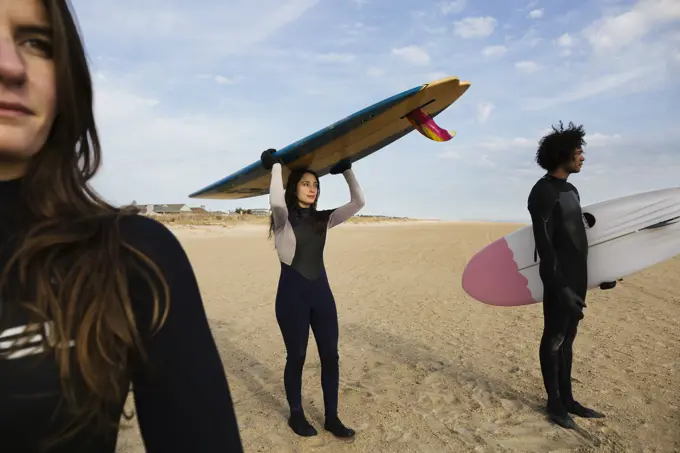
[562, 245]
[304, 296]
[93, 298]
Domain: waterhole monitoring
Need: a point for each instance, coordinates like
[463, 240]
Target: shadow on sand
[403, 351]
[260, 381]
[267, 386]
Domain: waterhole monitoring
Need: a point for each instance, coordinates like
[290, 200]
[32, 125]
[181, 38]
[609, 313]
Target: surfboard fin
[663, 224]
[427, 127]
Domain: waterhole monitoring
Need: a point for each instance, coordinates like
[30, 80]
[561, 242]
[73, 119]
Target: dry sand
[424, 368]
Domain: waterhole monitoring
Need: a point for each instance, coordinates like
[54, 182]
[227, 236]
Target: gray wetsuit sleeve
[356, 202]
[284, 237]
[277, 200]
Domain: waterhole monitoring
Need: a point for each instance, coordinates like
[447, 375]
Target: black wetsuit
[562, 245]
[560, 235]
[304, 297]
[182, 399]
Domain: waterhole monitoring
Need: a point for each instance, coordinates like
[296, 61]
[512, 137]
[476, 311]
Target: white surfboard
[629, 234]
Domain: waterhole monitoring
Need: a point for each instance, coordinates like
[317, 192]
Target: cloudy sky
[186, 95]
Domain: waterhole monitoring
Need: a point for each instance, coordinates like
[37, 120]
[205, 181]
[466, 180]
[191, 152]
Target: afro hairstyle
[557, 148]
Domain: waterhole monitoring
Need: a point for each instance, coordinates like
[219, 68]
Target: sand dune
[424, 368]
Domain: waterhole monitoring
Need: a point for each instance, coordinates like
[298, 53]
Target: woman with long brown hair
[93, 298]
[304, 297]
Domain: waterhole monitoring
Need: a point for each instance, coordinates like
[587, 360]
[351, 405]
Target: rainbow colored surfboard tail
[426, 126]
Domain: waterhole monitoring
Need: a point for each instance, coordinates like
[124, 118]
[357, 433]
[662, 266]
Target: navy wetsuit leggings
[301, 303]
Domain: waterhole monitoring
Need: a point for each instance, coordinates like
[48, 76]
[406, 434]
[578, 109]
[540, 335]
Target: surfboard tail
[427, 127]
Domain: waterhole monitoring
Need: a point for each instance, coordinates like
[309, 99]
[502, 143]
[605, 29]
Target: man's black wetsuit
[183, 403]
[562, 245]
[304, 297]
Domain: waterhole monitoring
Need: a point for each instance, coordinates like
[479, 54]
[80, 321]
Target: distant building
[146, 209]
[260, 212]
[151, 209]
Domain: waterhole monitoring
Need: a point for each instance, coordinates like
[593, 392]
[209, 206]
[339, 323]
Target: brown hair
[292, 202]
[70, 265]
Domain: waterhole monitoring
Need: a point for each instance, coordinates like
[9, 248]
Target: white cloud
[453, 7]
[566, 43]
[354, 32]
[630, 50]
[535, 14]
[484, 110]
[493, 147]
[528, 67]
[153, 132]
[486, 152]
[506, 144]
[598, 140]
[528, 38]
[614, 32]
[598, 85]
[413, 54]
[451, 155]
[333, 57]
[166, 153]
[436, 75]
[594, 140]
[474, 27]
[217, 78]
[359, 3]
[531, 38]
[374, 72]
[565, 40]
[494, 51]
[211, 31]
[470, 157]
[221, 80]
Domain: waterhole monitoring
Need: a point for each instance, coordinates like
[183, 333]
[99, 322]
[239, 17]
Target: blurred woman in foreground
[93, 298]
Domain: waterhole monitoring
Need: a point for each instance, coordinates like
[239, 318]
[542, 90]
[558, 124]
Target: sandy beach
[425, 368]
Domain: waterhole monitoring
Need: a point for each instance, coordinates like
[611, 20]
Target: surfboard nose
[492, 277]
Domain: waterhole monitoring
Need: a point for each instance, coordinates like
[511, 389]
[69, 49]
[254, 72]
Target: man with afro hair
[561, 243]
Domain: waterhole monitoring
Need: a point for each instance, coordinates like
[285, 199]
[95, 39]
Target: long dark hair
[70, 265]
[292, 200]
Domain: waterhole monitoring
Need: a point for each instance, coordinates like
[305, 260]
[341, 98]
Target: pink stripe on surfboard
[492, 277]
